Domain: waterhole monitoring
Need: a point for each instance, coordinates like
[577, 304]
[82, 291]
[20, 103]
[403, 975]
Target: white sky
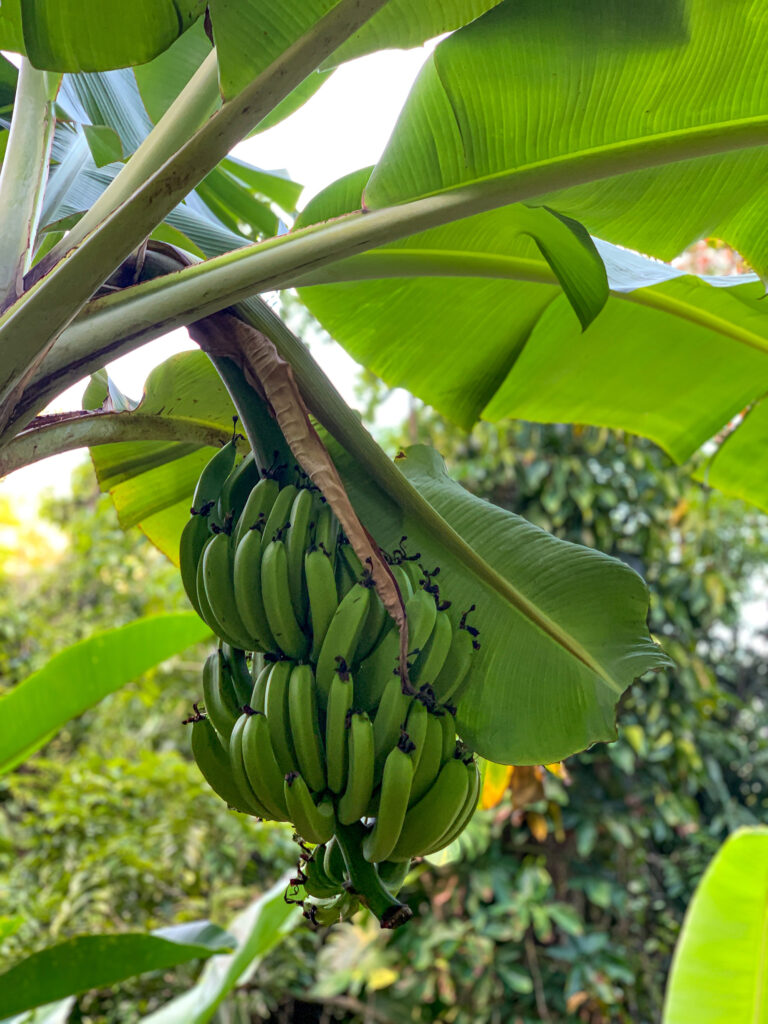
[344, 126]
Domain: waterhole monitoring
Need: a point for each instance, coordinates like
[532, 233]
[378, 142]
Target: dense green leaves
[94, 35]
[96, 961]
[721, 961]
[79, 676]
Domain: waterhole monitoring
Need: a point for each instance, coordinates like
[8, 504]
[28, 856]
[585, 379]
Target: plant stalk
[22, 178]
[366, 884]
[84, 430]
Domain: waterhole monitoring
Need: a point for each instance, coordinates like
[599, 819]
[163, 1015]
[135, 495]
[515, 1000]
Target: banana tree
[463, 266]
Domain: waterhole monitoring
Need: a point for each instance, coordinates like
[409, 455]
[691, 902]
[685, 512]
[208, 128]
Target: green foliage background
[111, 826]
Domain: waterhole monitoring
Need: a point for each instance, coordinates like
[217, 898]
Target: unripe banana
[248, 593]
[258, 698]
[237, 667]
[317, 882]
[206, 613]
[354, 565]
[333, 862]
[465, 815]
[416, 727]
[345, 578]
[340, 700]
[276, 710]
[326, 530]
[341, 638]
[219, 697]
[432, 658]
[218, 565]
[280, 512]
[213, 476]
[413, 570]
[390, 719]
[238, 771]
[448, 728]
[322, 594]
[356, 797]
[213, 761]
[257, 508]
[314, 823]
[327, 912]
[393, 804]
[376, 671]
[276, 593]
[456, 667]
[238, 485]
[373, 628]
[430, 818]
[296, 542]
[430, 761]
[261, 766]
[193, 539]
[305, 728]
[393, 874]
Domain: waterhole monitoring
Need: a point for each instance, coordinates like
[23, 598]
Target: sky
[344, 126]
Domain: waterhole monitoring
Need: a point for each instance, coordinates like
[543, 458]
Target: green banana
[305, 728]
[257, 508]
[238, 770]
[193, 540]
[448, 728]
[456, 667]
[237, 487]
[317, 882]
[205, 611]
[277, 601]
[327, 912]
[213, 477]
[237, 667]
[261, 766]
[433, 656]
[431, 759]
[280, 511]
[345, 579]
[219, 697]
[276, 710]
[326, 530]
[376, 622]
[248, 594]
[333, 862]
[356, 797]
[393, 874]
[376, 670]
[213, 761]
[341, 637]
[466, 813]
[391, 715]
[416, 727]
[393, 803]
[258, 698]
[296, 542]
[217, 578]
[340, 699]
[322, 594]
[354, 565]
[314, 823]
[413, 570]
[403, 581]
[432, 816]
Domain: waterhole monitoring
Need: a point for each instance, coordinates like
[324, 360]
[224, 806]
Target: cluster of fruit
[323, 730]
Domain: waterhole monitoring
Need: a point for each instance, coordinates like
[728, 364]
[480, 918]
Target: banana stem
[264, 436]
[365, 879]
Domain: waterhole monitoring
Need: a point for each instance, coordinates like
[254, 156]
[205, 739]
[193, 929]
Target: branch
[52, 435]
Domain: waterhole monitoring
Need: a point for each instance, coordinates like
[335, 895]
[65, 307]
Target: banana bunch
[321, 730]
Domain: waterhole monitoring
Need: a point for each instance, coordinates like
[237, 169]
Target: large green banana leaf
[720, 969]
